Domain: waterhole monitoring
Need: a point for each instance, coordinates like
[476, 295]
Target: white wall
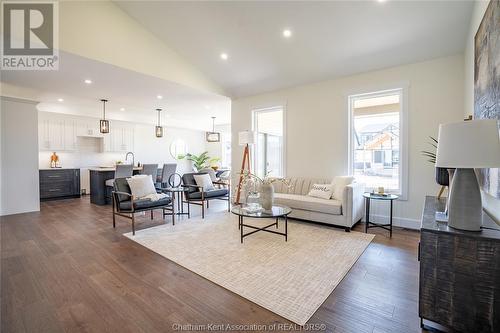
[317, 123]
[19, 156]
[215, 148]
[101, 31]
[491, 204]
[150, 149]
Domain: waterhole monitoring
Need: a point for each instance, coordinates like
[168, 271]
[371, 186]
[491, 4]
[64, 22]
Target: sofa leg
[208, 203]
[202, 210]
[151, 214]
[347, 229]
[133, 224]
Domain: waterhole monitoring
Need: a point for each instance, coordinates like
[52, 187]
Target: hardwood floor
[66, 269]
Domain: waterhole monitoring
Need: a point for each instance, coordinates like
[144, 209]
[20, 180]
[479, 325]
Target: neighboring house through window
[377, 140]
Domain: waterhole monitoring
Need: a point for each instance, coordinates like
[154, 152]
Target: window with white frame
[377, 140]
[226, 150]
[268, 155]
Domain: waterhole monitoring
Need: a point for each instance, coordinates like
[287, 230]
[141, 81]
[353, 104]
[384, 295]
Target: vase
[267, 196]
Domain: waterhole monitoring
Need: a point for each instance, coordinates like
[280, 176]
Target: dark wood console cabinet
[59, 184]
[459, 274]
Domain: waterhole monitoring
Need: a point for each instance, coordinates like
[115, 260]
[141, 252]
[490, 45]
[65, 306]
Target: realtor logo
[30, 36]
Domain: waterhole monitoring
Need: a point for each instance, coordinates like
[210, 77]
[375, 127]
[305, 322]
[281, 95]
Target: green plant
[199, 161]
[431, 155]
[213, 161]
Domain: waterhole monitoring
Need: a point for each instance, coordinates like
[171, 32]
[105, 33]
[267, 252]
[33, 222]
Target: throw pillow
[204, 181]
[323, 191]
[339, 184]
[141, 186]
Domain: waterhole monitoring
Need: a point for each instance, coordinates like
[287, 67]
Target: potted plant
[199, 161]
[442, 176]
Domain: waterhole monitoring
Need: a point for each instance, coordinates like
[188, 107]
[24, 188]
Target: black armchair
[197, 196]
[125, 205]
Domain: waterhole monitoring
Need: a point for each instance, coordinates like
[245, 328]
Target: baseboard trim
[402, 222]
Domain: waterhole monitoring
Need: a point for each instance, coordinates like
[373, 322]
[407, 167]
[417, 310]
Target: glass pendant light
[213, 136]
[158, 128]
[103, 123]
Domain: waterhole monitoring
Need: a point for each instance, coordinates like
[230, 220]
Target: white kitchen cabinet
[107, 143]
[122, 139]
[88, 127]
[43, 134]
[51, 134]
[56, 134]
[70, 139]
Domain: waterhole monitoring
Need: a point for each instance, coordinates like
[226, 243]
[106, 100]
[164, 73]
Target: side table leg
[277, 222]
[367, 214]
[241, 229]
[390, 222]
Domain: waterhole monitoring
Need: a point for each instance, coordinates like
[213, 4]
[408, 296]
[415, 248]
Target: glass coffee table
[277, 212]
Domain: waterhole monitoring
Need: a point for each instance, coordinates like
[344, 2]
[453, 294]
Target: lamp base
[465, 209]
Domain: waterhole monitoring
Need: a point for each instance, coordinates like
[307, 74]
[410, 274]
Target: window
[226, 150]
[268, 156]
[377, 140]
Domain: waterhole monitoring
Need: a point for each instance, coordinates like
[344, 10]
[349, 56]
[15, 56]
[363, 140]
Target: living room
[338, 144]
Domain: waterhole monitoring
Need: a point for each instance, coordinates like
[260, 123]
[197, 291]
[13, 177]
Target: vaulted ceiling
[329, 39]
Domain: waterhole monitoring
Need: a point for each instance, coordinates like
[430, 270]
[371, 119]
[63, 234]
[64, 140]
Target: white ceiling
[330, 39]
[183, 107]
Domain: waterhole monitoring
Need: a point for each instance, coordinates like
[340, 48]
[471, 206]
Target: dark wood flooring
[65, 269]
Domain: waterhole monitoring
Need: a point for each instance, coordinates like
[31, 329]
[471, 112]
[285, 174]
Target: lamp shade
[246, 138]
[469, 144]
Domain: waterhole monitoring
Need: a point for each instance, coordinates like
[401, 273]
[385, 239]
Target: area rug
[291, 279]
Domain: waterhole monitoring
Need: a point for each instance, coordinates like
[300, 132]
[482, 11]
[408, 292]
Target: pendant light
[158, 128]
[213, 136]
[103, 123]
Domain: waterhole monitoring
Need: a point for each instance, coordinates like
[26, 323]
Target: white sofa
[344, 213]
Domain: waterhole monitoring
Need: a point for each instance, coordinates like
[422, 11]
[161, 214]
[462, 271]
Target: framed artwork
[487, 83]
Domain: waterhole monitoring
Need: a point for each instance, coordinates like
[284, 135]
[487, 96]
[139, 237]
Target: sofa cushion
[339, 183]
[296, 201]
[322, 191]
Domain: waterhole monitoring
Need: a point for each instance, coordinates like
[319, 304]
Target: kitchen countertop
[109, 168]
[64, 168]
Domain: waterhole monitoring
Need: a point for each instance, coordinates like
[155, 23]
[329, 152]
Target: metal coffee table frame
[282, 213]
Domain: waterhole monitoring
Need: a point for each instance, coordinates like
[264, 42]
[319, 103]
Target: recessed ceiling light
[287, 33]
[122, 109]
[381, 1]
[159, 96]
[224, 56]
[60, 100]
[207, 107]
[88, 81]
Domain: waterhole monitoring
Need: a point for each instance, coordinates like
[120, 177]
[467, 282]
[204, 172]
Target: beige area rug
[291, 279]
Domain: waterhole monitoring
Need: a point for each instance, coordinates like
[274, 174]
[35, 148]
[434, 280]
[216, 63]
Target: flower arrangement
[251, 180]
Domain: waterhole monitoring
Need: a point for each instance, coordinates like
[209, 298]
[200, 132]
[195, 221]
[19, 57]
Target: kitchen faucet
[133, 158]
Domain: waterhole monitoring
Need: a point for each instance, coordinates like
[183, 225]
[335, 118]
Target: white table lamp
[246, 138]
[465, 146]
